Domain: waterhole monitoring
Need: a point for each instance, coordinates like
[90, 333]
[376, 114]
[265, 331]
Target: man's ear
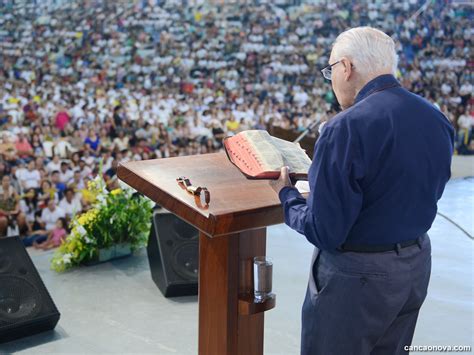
[347, 68]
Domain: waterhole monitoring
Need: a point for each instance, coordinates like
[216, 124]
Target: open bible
[258, 155]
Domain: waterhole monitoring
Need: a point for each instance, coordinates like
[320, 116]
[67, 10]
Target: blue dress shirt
[378, 170]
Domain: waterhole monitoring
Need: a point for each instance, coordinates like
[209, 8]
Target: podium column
[229, 322]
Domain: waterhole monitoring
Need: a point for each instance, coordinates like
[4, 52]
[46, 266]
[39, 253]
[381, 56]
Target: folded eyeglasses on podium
[200, 191]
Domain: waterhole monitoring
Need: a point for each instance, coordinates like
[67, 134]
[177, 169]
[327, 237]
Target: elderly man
[379, 168]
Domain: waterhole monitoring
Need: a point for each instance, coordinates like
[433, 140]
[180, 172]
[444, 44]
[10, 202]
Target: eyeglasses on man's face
[327, 71]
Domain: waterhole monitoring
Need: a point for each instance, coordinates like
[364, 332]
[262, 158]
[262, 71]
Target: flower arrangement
[114, 217]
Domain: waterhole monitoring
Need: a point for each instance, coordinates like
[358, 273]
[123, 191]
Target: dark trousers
[38, 238]
[364, 303]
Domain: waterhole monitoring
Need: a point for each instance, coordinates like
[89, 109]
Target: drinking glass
[262, 277]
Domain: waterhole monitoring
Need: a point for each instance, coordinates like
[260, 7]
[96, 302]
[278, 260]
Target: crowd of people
[86, 85]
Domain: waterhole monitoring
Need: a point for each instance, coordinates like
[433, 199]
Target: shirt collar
[380, 83]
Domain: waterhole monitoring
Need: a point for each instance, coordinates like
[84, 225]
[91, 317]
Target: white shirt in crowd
[71, 208]
[52, 166]
[30, 179]
[51, 217]
[29, 212]
[66, 176]
[84, 172]
[301, 98]
[121, 143]
[19, 172]
[62, 148]
[466, 121]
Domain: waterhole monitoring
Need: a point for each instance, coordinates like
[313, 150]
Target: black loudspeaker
[173, 253]
[26, 308]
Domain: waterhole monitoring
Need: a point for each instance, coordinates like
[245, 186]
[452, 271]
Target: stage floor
[116, 308]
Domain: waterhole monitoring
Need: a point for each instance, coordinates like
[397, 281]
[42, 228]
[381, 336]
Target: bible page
[293, 156]
[264, 148]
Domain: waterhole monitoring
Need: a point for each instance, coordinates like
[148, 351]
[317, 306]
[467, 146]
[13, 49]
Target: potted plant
[118, 223]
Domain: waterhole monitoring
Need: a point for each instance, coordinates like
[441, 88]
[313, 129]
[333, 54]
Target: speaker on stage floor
[173, 253]
[26, 308]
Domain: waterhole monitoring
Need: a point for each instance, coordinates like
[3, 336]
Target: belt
[380, 248]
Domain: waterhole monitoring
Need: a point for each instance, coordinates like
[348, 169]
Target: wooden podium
[232, 231]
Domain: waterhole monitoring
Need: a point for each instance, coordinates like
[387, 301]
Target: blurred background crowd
[85, 85]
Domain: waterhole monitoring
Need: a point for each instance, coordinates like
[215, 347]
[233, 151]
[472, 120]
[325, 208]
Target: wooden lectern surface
[237, 203]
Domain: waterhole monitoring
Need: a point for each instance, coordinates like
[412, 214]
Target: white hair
[369, 49]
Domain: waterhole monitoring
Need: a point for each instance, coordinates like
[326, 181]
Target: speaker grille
[19, 300]
[184, 231]
[26, 307]
[186, 261]
[173, 254]
[5, 262]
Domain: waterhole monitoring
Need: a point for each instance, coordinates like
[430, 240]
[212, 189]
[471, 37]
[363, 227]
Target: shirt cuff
[288, 192]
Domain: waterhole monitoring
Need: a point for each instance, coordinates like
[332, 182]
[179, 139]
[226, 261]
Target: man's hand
[283, 180]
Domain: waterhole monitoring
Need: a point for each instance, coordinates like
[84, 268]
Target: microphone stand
[308, 130]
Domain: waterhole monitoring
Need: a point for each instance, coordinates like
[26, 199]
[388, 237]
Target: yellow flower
[71, 246]
[82, 219]
[116, 191]
[88, 196]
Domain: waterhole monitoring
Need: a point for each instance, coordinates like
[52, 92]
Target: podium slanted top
[236, 204]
